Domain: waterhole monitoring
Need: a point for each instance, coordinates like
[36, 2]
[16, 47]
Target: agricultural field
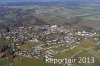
[24, 61]
[85, 14]
[86, 54]
[29, 45]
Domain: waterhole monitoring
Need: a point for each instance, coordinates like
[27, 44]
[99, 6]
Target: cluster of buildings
[22, 34]
[86, 34]
[66, 36]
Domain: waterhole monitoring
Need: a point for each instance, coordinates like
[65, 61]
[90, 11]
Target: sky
[41, 0]
[25, 0]
[3, 1]
[32, 0]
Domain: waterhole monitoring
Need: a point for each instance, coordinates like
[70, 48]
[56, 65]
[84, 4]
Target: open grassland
[29, 45]
[86, 54]
[4, 62]
[94, 53]
[23, 61]
[4, 42]
[92, 22]
[59, 48]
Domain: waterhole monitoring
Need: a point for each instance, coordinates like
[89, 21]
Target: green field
[94, 53]
[23, 61]
[86, 54]
[4, 62]
[4, 42]
[29, 45]
[59, 48]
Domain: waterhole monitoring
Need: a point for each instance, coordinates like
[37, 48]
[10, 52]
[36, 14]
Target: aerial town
[41, 41]
[49, 33]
